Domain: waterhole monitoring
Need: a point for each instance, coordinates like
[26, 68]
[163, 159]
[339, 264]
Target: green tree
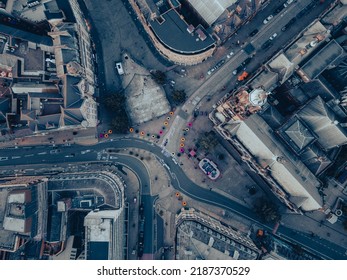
[120, 123]
[115, 103]
[207, 141]
[159, 77]
[267, 210]
[221, 156]
[179, 96]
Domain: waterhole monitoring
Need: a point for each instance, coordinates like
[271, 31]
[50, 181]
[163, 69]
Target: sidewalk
[81, 137]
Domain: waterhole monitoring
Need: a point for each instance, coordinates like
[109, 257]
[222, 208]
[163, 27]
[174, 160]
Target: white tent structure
[210, 10]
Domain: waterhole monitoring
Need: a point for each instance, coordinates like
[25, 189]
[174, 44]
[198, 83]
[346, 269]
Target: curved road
[179, 180]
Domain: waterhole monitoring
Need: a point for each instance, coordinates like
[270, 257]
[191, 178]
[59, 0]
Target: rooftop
[295, 178]
[322, 121]
[307, 43]
[211, 10]
[325, 57]
[297, 135]
[27, 36]
[199, 236]
[172, 31]
[100, 224]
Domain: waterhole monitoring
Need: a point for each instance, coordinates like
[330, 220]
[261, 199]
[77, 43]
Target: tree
[179, 96]
[120, 123]
[207, 141]
[116, 104]
[267, 210]
[159, 77]
[221, 156]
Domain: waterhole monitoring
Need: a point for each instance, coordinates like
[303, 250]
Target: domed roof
[73, 68]
[257, 97]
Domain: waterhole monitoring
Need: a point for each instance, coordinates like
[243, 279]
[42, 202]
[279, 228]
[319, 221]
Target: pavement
[67, 137]
[222, 80]
[16, 158]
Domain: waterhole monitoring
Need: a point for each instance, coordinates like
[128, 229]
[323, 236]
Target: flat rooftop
[307, 43]
[197, 241]
[171, 30]
[25, 35]
[326, 56]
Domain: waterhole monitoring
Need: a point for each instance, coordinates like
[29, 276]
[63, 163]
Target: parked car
[246, 61]
[273, 36]
[270, 17]
[289, 24]
[267, 44]
[255, 31]
[230, 54]
[279, 9]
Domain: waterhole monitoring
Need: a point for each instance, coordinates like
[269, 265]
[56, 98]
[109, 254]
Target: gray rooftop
[299, 135]
[172, 32]
[315, 159]
[211, 10]
[321, 120]
[27, 36]
[325, 57]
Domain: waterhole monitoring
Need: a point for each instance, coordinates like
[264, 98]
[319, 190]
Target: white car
[273, 36]
[270, 17]
[288, 3]
[230, 54]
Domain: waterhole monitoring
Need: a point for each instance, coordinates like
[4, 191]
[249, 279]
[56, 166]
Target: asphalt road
[224, 77]
[41, 154]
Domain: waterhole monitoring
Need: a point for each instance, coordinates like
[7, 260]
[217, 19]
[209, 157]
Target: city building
[48, 77]
[174, 36]
[98, 213]
[210, 10]
[288, 122]
[199, 236]
[22, 212]
[104, 235]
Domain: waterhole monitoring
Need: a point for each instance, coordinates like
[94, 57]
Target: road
[224, 77]
[34, 155]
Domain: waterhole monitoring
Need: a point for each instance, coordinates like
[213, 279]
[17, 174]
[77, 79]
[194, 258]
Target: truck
[119, 68]
[243, 76]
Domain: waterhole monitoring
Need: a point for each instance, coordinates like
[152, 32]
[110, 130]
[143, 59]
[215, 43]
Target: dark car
[289, 24]
[248, 60]
[267, 44]
[279, 9]
[301, 14]
[255, 31]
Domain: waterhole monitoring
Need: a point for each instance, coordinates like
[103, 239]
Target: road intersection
[17, 158]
